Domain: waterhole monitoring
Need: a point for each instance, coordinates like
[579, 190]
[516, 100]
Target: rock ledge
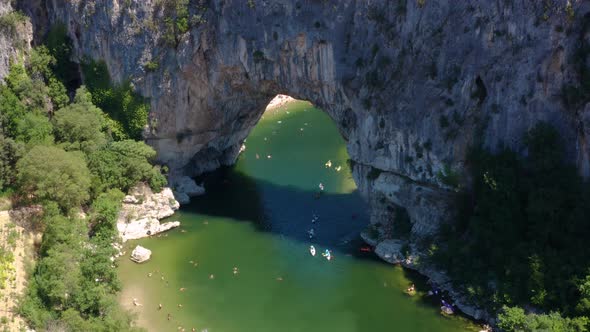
[142, 211]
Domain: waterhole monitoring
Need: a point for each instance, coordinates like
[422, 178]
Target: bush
[10, 21]
[151, 66]
[449, 177]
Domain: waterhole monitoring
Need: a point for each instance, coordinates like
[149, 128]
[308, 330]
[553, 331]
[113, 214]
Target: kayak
[312, 250]
[327, 254]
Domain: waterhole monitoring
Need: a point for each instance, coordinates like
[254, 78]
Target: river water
[240, 262]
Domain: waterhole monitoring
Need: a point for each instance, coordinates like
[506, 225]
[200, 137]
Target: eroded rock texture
[411, 84]
[15, 37]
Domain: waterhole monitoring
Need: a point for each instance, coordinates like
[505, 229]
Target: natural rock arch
[410, 84]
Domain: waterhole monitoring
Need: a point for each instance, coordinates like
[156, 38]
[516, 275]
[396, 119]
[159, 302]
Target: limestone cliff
[16, 34]
[411, 84]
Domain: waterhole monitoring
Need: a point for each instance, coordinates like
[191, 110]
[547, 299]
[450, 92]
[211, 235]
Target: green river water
[255, 217]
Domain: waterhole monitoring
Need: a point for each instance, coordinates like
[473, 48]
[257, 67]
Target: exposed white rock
[279, 101]
[142, 210]
[144, 227]
[140, 254]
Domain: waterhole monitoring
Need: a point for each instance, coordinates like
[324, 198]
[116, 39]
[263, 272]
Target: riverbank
[390, 251]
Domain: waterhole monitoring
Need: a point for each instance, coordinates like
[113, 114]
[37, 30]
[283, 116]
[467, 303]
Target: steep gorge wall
[15, 37]
[411, 84]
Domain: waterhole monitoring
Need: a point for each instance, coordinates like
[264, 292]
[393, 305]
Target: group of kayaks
[327, 253]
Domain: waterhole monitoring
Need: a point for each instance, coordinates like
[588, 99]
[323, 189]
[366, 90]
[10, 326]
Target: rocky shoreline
[142, 211]
[390, 250]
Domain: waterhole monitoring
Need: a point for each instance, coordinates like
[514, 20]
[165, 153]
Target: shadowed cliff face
[411, 84]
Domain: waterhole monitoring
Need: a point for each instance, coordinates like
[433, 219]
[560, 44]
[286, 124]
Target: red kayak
[366, 249]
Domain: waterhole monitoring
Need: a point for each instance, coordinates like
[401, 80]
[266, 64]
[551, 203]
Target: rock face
[140, 254]
[15, 38]
[184, 188]
[142, 210]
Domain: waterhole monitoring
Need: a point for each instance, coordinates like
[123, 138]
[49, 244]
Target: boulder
[144, 227]
[391, 251]
[185, 187]
[141, 211]
[140, 254]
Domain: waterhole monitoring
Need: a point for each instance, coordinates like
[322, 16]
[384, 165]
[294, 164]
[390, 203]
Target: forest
[520, 238]
[59, 149]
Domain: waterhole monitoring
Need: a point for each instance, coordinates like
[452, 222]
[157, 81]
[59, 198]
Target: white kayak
[327, 254]
[312, 250]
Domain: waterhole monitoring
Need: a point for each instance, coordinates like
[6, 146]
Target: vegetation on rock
[71, 156]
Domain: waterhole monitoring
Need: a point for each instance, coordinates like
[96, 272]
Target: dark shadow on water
[285, 210]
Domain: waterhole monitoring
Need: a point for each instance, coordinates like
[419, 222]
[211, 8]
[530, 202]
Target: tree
[50, 173]
[512, 319]
[80, 125]
[34, 129]
[123, 164]
[104, 213]
[11, 109]
[10, 152]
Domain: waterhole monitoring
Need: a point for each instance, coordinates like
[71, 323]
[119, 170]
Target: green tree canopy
[80, 125]
[10, 152]
[123, 164]
[50, 173]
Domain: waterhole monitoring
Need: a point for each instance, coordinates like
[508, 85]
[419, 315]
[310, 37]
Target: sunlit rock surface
[140, 254]
[142, 210]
